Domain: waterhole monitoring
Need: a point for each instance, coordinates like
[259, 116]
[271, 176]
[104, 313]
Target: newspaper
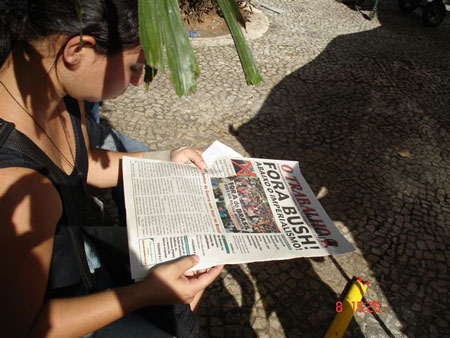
[239, 210]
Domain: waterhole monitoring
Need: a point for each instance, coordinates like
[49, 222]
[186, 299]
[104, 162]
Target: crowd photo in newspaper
[239, 210]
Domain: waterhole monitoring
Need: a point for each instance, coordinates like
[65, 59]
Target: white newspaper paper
[239, 210]
[218, 149]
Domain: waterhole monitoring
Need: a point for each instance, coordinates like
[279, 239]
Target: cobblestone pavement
[364, 107]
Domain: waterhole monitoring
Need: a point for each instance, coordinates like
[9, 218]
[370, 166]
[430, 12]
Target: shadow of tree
[228, 318]
[18, 239]
[345, 117]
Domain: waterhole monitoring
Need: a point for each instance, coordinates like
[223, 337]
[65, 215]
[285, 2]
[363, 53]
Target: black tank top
[69, 269]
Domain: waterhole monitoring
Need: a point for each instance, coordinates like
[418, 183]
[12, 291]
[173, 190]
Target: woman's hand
[170, 283]
[184, 155]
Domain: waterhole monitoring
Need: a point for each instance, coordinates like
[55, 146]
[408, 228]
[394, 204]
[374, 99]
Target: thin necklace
[71, 164]
[66, 136]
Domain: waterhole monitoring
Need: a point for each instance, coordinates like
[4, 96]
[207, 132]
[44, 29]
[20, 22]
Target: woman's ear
[73, 48]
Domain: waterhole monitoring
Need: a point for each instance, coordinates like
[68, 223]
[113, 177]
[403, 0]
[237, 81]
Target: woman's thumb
[187, 262]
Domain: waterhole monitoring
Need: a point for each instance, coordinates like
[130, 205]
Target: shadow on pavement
[368, 119]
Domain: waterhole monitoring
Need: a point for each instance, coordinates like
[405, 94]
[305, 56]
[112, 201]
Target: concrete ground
[364, 107]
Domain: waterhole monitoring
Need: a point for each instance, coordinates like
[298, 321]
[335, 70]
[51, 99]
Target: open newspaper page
[241, 210]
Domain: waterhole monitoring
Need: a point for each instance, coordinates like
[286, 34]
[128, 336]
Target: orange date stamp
[360, 306]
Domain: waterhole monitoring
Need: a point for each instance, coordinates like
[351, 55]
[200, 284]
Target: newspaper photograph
[239, 210]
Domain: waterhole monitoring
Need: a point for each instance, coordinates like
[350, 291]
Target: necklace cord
[71, 164]
[63, 124]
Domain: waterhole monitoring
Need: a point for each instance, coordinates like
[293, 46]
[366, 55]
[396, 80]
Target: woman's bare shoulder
[28, 200]
[30, 209]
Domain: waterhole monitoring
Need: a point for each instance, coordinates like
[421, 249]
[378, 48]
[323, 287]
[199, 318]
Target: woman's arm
[30, 209]
[166, 284]
[105, 166]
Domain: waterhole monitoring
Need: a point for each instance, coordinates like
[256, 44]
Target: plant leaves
[180, 56]
[150, 32]
[251, 72]
[160, 24]
[238, 14]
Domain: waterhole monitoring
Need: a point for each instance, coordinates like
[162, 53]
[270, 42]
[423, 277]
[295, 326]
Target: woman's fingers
[171, 282]
[184, 155]
[185, 263]
[197, 159]
[192, 273]
[201, 281]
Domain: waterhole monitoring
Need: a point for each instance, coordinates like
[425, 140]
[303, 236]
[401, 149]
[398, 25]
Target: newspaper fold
[240, 210]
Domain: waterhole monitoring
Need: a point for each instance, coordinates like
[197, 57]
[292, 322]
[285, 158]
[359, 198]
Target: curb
[258, 25]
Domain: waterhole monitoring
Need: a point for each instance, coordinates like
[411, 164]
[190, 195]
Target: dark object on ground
[372, 9]
[433, 12]
[408, 6]
[362, 6]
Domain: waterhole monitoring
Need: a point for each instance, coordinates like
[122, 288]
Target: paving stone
[342, 95]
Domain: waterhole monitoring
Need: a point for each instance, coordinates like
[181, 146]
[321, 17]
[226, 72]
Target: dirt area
[212, 25]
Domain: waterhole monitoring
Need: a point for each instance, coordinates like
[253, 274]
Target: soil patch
[212, 25]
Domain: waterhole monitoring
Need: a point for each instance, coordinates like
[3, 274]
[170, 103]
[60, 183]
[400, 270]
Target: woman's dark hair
[113, 23]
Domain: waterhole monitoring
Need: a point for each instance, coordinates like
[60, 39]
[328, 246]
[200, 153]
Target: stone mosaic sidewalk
[364, 107]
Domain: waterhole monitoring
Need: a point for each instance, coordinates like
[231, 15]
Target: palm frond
[229, 9]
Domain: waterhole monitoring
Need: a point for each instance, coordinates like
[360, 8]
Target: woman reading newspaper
[53, 282]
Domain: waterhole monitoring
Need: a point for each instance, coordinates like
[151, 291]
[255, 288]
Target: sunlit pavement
[364, 107]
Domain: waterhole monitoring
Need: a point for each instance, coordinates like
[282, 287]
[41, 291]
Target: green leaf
[180, 56]
[150, 32]
[248, 63]
[237, 14]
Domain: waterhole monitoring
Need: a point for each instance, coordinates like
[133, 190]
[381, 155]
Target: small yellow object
[349, 305]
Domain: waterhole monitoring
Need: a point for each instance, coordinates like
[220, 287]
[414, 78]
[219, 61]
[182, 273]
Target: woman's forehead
[134, 52]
